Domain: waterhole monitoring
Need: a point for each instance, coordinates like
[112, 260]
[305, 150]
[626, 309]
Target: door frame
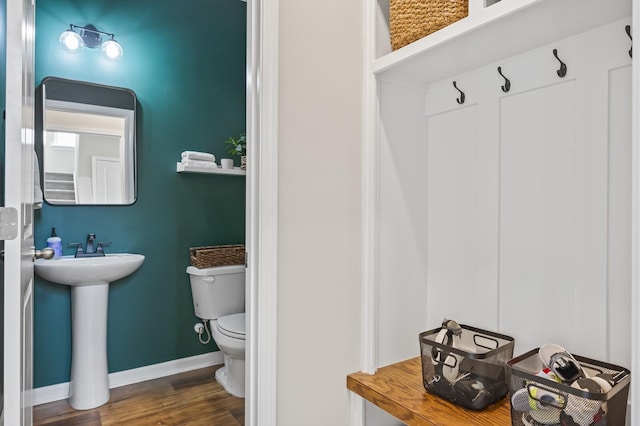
[19, 251]
[262, 212]
[634, 397]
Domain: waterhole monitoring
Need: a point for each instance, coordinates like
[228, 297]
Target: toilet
[218, 297]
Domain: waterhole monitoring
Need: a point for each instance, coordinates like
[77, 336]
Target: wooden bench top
[398, 389]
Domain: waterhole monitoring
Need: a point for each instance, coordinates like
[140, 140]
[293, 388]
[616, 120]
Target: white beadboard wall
[511, 211]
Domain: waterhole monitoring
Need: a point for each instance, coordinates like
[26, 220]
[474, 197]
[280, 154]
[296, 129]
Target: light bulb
[112, 50]
[71, 41]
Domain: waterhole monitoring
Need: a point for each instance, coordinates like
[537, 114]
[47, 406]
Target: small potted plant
[238, 146]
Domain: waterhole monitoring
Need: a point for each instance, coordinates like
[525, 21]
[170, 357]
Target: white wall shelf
[487, 35]
[236, 171]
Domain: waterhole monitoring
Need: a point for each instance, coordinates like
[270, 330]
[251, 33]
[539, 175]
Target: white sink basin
[89, 278]
[82, 271]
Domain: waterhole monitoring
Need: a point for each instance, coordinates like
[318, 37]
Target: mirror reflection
[87, 143]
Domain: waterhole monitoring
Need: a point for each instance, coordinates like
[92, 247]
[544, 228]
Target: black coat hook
[507, 84]
[563, 67]
[627, 29]
[460, 100]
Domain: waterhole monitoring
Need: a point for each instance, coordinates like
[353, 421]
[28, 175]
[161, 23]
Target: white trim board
[370, 201]
[635, 226]
[262, 212]
[60, 391]
[357, 405]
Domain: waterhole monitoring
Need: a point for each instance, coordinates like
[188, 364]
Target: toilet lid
[232, 325]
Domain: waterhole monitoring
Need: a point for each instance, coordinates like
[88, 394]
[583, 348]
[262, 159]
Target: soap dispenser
[55, 243]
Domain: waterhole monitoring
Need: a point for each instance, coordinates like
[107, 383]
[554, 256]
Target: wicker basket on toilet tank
[209, 256]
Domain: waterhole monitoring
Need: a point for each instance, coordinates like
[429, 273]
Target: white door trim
[634, 396]
[262, 211]
[369, 213]
[370, 196]
[19, 194]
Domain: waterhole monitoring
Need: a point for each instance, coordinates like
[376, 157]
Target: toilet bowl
[218, 297]
[228, 333]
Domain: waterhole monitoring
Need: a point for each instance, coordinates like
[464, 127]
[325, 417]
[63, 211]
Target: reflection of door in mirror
[106, 177]
[86, 135]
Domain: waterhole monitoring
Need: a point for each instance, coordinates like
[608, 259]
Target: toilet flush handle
[209, 279]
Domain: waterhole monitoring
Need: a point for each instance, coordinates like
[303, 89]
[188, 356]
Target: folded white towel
[195, 155]
[199, 163]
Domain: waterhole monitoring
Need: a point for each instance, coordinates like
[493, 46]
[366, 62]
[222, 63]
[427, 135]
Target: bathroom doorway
[262, 17]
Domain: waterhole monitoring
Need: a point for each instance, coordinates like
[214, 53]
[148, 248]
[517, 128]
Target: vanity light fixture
[73, 39]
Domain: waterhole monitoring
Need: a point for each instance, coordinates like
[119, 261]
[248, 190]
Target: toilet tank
[217, 291]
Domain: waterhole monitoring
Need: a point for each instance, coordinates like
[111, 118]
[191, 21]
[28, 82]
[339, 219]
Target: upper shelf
[237, 171]
[489, 34]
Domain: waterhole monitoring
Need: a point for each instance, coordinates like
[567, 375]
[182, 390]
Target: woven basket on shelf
[208, 256]
[410, 20]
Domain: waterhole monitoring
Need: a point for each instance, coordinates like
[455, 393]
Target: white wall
[320, 78]
[513, 211]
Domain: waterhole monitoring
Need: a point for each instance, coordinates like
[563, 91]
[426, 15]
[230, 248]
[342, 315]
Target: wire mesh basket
[537, 398]
[470, 370]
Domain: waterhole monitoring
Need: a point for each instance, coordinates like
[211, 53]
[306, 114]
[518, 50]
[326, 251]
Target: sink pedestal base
[89, 278]
[89, 384]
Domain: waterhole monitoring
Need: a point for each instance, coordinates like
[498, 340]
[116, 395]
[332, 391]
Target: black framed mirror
[86, 143]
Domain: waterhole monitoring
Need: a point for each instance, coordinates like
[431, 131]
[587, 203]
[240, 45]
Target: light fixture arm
[91, 29]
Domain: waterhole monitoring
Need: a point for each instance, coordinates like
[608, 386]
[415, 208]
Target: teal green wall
[185, 60]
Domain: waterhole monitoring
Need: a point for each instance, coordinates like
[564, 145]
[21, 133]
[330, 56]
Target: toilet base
[231, 376]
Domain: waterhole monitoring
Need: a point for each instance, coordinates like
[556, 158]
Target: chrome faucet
[91, 250]
[90, 239]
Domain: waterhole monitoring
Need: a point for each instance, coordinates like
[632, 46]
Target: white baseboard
[60, 391]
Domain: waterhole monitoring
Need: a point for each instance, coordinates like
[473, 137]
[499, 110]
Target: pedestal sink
[89, 278]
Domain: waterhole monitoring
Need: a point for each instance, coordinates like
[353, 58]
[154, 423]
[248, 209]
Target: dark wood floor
[193, 398]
